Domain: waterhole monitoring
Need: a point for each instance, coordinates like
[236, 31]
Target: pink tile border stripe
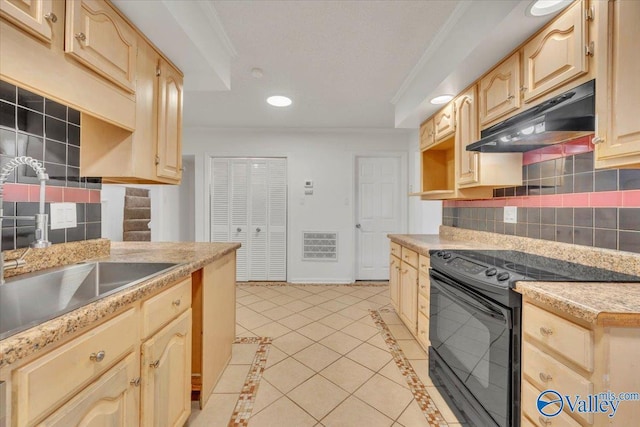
[601, 199]
[31, 193]
[558, 151]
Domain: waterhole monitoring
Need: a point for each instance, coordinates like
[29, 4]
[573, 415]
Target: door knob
[358, 226]
[238, 229]
[258, 229]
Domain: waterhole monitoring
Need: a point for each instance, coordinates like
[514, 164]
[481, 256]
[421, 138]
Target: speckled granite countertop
[602, 303]
[190, 257]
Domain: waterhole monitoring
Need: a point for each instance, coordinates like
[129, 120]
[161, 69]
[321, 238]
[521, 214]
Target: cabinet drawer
[547, 373]
[564, 337]
[424, 262]
[410, 257]
[45, 383]
[423, 305]
[423, 331]
[529, 399]
[161, 309]
[424, 284]
[396, 249]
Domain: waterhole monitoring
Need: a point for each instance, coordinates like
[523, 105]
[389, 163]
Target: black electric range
[475, 326]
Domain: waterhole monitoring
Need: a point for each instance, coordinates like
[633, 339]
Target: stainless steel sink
[33, 298]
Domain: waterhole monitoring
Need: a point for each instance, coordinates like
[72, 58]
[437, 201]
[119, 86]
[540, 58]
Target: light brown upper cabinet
[617, 90]
[444, 122]
[169, 151]
[97, 36]
[557, 54]
[500, 90]
[33, 16]
[426, 134]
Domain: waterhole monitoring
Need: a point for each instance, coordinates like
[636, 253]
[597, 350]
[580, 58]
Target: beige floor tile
[240, 329]
[400, 332]
[413, 416]
[333, 305]
[232, 379]
[297, 305]
[283, 412]
[392, 372]
[283, 299]
[295, 321]
[297, 293]
[330, 294]
[249, 299]
[347, 374]
[267, 394]
[391, 318]
[421, 368]
[442, 405]
[336, 321]
[277, 313]
[292, 342]
[270, 292]
[273, 330]
[354, 312]
[252, 321]
[412, 349]
[243, 354]
[368, 320]
[316, 357]
[369, 356]
[316, 331]
[274, 356]
[315, 313]
[348, 299]
[262, 306]
[340, 342]
[380, 299]
[287, 375]
[384, 395]
[314, 299]
[354, 412]
[246, 334]
[360, 330]
[379, 342]
[241, 292]
[217, 413]
[318, 396]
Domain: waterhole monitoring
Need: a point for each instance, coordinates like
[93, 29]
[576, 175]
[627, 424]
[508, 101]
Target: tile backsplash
[563, 198]
[31, 125]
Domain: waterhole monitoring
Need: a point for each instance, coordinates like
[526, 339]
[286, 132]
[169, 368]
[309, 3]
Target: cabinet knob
[545, 377]
[405, 271]
[97, 357]
[176, 303]
[597, 140]
[423, 287]
[423, 332]
[157, 160]
[423, 307]
[81, 36]
[544, 421]
[523, 88]
[135, 382]
[51, 17]
[155, 364]
[546, 331]
[510, 97]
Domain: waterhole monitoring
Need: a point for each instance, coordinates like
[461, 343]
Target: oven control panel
[457, 264]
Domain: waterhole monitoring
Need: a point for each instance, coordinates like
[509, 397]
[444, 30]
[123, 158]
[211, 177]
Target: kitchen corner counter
[189, 255]
[422, 243]
[608, 304]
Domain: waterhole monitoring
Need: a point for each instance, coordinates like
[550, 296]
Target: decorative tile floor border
[429, 409]
[246, 400]
[379, 283]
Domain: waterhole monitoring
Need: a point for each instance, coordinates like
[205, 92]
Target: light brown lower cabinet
[394, 282]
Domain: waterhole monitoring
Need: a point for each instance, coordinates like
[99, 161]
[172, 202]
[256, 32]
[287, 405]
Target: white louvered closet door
[258, 177]
[219, 200]
[277, 212]
[239, 214]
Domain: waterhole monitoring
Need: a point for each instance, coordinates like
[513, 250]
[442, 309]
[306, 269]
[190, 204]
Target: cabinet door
[113, 400]
[426, 134]
[556, 55]
[618, 96]
[166, 374]
[466, 133]
[394, 279]
[409, 296]
[97, 36]
[499, 90]
[169, 157]
[444, 123]
[33, 16]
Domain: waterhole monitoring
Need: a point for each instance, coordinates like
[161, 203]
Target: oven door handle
[461, 296]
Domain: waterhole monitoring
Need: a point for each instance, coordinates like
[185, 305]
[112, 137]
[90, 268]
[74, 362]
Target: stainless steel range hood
[561, 118]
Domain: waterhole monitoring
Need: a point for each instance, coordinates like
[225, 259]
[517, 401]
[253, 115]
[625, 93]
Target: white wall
[327, 158]
[425, 217]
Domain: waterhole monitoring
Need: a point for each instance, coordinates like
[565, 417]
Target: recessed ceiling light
[279, 101]
[546, 7]
[442, 99]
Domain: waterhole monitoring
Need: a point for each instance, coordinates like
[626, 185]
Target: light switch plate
[63, 215]
[510, 214]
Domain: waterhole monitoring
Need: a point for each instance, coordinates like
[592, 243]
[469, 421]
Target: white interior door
[378, 213]
[258, 242]
[277, 211]
[239, 223]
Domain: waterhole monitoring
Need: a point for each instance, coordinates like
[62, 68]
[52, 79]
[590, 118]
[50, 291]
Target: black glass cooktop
[539, 268]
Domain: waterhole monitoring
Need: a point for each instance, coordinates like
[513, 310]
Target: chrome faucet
[41, 218]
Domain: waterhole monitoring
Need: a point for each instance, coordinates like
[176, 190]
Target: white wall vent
[319, 246]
